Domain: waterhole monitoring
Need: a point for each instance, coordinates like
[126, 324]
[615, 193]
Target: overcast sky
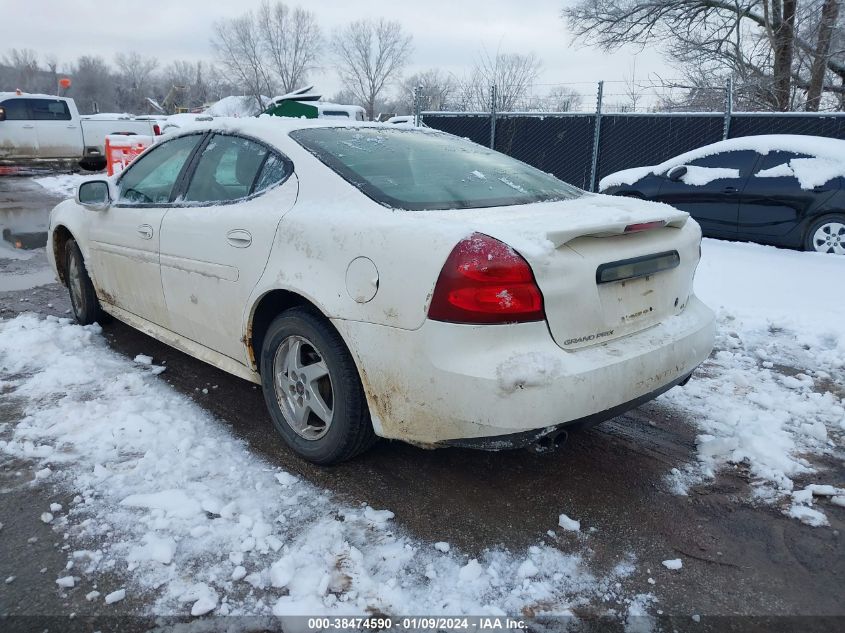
[447, 33]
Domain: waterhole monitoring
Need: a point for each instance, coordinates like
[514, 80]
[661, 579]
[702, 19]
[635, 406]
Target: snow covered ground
[168, 499]
[63, 184]
[168, 496]
[773, 393]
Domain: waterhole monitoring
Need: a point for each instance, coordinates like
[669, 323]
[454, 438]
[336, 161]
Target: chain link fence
[582, 147]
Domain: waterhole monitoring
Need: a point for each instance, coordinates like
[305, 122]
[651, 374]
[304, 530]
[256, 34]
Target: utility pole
[493, 116]
[596, 138]
[417, 105]
[729, 106]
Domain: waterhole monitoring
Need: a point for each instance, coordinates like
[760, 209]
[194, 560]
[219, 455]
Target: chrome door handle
[145, 231]
[239, 238]
[27, 127]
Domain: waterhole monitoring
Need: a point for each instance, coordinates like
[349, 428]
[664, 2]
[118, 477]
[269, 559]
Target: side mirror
[2, 113]
[676, 173]
[94, 194]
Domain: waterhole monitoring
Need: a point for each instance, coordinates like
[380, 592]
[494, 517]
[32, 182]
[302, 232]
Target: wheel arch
[60, 237]
[811, 220]
[266, 308]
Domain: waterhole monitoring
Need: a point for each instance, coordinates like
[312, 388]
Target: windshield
[415, 170]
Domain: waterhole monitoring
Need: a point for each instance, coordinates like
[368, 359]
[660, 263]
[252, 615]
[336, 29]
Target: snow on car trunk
[166, 495]
[606, 266]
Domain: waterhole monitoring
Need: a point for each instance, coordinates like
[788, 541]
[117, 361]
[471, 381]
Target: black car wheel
[83, 298]
[827, 235]
[312, 388]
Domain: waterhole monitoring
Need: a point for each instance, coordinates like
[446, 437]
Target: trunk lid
[598, 281]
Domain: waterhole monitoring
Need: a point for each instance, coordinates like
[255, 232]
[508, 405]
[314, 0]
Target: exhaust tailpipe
[550, 442]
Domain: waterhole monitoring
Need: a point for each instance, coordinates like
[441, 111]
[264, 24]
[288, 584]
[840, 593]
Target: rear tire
[826, 235]
[312, 389]
[83, 299]
[92, 164]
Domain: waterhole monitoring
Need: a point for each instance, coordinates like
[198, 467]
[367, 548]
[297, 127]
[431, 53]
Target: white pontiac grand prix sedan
[380, 281]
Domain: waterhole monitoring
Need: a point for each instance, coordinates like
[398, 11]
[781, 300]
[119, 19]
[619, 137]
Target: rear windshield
[416, 170]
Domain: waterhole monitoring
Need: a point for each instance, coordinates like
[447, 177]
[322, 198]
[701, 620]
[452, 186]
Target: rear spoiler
[610, 229]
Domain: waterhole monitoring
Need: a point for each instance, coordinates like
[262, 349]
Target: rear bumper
[527, 438]
[458, 384]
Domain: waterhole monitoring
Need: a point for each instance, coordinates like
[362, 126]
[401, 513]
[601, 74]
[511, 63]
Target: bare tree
[291, 41]
[199, 88]
[511, 73]
[632, 89]
[563, 99]
[24, 64]
[182, 85]
[51, 73]
[437, 88]
[134, 80]
[93, 85]
[827, 23]
[219, 84]
[368, 55]
[238, 45]
[762, 44]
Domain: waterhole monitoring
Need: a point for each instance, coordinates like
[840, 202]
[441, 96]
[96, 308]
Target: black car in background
[784, 190]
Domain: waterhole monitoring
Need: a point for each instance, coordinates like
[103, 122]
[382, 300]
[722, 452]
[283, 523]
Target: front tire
[827, 235]
[83, 299]
[312, 389]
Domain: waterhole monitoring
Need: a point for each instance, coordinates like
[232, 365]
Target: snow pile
[235, 106]
[826, 162]
[63, 185]
[166, 497]
[767, 398]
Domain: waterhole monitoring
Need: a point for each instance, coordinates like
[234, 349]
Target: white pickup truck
[42, 127]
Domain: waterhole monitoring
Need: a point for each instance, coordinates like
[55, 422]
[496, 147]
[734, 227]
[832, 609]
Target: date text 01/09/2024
[422, 623]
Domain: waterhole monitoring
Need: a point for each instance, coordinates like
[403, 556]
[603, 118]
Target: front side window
[49, 110]
[152, 177]
[416, 170]
[229, 168]
[16, 110]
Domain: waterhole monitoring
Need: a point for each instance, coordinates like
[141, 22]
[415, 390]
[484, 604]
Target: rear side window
[49, 110]
[743, 161]
[275, 170]
[151, 178]
[231, 168]
[16, 109]
[776, 164]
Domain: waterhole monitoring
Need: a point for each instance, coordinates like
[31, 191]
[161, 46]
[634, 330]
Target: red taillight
[486, 281]
[645, 226]
[156, 129]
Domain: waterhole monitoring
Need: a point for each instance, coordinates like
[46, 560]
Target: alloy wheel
[303, 386]
[75, 283]
[830, 238]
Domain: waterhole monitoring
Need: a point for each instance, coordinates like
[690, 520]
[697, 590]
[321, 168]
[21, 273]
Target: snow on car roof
[275, 129]
[828, 157]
